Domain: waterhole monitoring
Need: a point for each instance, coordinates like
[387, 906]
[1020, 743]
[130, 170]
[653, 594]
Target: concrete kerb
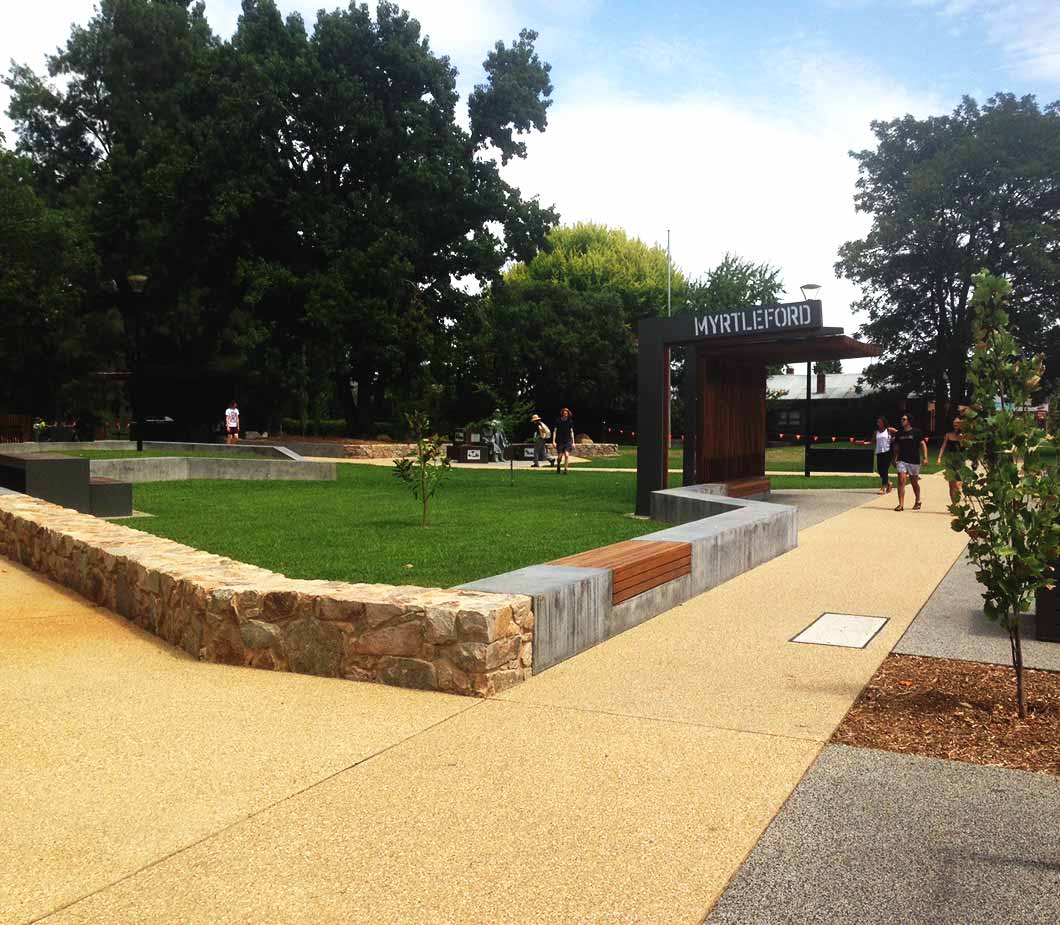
[250, 451]
[572, 606]
[181, 468]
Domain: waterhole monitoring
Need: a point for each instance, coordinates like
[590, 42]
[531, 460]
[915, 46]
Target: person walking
[884, 438]
[542, 438]
[232, 423]
[563, 440]
[910, 449]
[952, 451]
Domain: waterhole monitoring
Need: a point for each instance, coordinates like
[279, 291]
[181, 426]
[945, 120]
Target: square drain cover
[842, 629]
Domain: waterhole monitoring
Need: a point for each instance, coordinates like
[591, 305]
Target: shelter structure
[726, 358]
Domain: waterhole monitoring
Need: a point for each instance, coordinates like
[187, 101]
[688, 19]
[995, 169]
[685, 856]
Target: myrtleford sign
[759, 319]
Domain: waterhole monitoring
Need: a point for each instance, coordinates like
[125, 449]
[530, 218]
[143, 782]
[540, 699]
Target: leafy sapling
[423, 469]
[1010, 495]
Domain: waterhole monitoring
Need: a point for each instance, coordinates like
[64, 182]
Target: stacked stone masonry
[397, 450]
[220, 610]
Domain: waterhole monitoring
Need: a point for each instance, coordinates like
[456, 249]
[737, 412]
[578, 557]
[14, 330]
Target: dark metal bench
[66, 481]
[109, 497]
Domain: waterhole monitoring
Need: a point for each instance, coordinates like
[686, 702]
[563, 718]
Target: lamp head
[810, 290]
[137, 282]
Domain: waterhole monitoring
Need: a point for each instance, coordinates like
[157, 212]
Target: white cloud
[1026, 31]
[768, 182]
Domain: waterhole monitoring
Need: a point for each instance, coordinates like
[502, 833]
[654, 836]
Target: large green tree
[304, 201]
[56, 327]
[561, 328]
[947, 196]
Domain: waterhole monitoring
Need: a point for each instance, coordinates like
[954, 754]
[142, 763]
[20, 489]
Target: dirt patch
[963, 711]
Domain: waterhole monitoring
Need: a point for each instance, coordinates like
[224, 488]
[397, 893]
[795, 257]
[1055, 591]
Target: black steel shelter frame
[791, 332]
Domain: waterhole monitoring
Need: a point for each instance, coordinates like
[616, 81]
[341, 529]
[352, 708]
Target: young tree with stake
[424, 469]
[1010, 497]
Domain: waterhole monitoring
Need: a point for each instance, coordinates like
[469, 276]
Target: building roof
[836, 386]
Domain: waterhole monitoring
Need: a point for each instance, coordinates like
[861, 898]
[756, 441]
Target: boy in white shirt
[232, 423]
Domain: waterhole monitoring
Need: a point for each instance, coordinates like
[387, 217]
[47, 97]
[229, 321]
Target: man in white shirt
[232, 423]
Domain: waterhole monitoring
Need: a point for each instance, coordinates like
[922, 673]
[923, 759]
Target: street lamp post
[137, 283]
[812, 289]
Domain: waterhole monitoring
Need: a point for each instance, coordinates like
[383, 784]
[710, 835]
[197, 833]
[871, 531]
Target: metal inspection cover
[851, 631]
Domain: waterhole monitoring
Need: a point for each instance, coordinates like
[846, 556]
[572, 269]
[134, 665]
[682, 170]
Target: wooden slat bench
[636, 566]
[742, 488]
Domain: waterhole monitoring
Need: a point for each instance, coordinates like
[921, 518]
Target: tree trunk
[1017, 663]
[350, 408]
[1021, 697]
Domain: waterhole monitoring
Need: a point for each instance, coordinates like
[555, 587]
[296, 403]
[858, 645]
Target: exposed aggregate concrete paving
[625, 785]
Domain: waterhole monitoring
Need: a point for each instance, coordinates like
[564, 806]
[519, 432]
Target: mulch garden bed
[963, 711]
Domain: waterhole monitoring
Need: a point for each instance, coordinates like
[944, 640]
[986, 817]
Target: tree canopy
[949, 195]
[561, 328]
[305, 201]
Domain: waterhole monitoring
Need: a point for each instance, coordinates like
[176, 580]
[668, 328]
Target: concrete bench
[636, 565]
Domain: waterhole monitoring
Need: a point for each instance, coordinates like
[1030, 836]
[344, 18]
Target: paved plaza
[628, 784]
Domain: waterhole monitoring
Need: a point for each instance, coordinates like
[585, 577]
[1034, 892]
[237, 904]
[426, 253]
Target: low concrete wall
[224, 611]
[179, 468]
[248, 450]
[572, 606]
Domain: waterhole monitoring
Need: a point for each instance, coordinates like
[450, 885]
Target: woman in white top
[883, 453]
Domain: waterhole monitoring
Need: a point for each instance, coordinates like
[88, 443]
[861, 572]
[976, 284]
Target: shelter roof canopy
[825, 344]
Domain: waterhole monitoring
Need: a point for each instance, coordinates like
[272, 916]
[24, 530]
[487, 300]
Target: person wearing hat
[542, 438]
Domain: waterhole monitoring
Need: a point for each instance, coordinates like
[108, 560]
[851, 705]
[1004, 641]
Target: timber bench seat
[743, 488]
[636, 565]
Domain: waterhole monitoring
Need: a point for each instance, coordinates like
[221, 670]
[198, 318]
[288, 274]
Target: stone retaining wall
[219, 610]
[594, 450]
[378, 450]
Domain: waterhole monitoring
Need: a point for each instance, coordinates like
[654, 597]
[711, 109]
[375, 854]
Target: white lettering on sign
[761, 319]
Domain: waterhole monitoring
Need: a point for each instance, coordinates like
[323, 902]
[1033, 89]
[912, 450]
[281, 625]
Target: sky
[728, 123]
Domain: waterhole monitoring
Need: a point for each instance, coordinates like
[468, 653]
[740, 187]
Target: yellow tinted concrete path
[625, 785]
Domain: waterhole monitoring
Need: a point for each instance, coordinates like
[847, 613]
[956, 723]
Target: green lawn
[627, 459]
[778, 459]
[365, 526]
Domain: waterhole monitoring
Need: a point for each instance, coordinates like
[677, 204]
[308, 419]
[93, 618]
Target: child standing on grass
[232, 423]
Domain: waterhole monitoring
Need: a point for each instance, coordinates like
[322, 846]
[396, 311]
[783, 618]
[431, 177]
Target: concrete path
[952, 625]
[626, 785]
[577, 463]
[877, 837]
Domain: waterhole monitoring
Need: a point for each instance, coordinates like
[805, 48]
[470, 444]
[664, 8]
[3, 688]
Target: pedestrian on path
[910, 449]
[542, 438]
[884, 438]
[951, 453]
[232, 423]
[563, 440]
